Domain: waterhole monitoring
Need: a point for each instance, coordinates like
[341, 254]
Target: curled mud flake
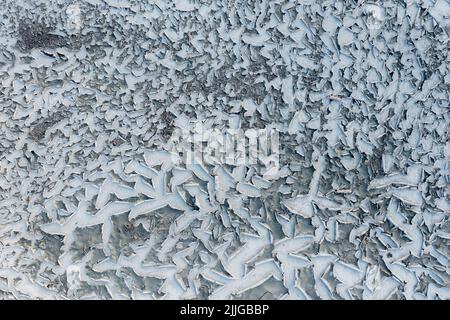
[375, 15]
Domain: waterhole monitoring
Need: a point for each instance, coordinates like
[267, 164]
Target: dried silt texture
[96, 99]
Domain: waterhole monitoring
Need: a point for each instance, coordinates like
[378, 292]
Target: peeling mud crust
[94, 206]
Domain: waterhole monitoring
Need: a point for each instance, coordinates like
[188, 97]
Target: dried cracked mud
[94, 206]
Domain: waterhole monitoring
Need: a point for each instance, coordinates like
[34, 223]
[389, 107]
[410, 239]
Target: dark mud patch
[37, 133]
[33, 35]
